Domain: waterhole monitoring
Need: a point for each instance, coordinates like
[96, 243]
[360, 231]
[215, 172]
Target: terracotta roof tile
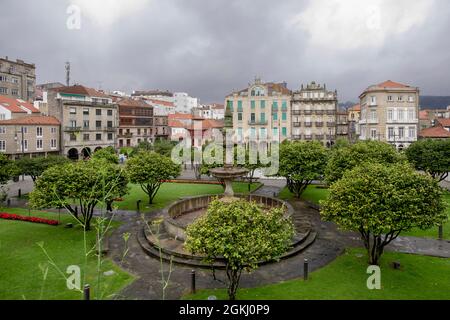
[434, 132]
[423, 115]
[184, 116]
[392, 84]
[82, 90]
[443, 122]
[32, 120]
[17, 105]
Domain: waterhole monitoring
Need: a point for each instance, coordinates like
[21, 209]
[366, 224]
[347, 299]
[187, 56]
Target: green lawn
[420, 277]
[172, 191]
[314, 194]
[20, 257]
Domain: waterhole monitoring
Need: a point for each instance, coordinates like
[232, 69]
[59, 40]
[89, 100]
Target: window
[39, 131]
[400, 98]
[284, 106]
[25, 130]
[73, 137]
[73, 111]
[253, 132]
[86, 137]
[98, 136]
[411, 114]
[73, 123]
[2, 116]
[401, 132]
[239, 106]
[390, 115]
[98, 112]
[239, 116]
[110, 136]
[373, 100]
[401, 115]
[110, 112]
[240, 136]
[109, 124]
[284, 131]
[275, 133]
[390, 133]
[2, 145]
[253, 104]
[263, 104]
[39, 144]
[284, 116]
[2, 130]
[373, 115]
[98, 124]
[3, 90]
[15, 92]
[275, 105]
[4, 78]
[53, 130]
[15, 80]
[263, 117]
[86, 111]
[373, 134]
[275, 117]
[411, 99]
[25, 145]
[86, 124]
[230, 105]
[252, 117]
[389, 98]
[263, 134]
[53, 143]
[412, 132]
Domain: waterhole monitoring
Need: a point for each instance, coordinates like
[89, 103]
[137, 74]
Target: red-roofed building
[29, 136]
[89, 119]
[11, 108]
[437, 132]
[390, 113]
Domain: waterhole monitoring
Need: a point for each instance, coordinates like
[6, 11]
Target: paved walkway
[422, 246]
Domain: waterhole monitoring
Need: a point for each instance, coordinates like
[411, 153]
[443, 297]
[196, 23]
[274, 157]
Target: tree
[8, 169]
[431, 156]
[79, 187]
[252, 162]
[380, 201]
[150, 170]
[301, 163]
[108, 154]
[163, 147]
[347, 157]
[35, 167]
[242, 234]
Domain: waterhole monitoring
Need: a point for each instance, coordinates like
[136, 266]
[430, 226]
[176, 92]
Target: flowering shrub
[9, 216]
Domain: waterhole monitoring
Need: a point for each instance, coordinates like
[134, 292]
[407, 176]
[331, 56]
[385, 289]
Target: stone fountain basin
[180, 214]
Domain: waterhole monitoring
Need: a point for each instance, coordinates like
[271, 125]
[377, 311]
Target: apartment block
[136, 123]
[260, 112]
[314, 114]
[29, 136]
[89, 119]
[389, 113]
[17, 79]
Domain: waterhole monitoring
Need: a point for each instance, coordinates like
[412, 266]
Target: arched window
[258, 91]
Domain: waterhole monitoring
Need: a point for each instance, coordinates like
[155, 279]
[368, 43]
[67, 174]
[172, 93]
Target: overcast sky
[210, 47]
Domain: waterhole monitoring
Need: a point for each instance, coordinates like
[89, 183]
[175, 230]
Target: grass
[420, 277]
[20, 258]
[172, 191]
[314, 194]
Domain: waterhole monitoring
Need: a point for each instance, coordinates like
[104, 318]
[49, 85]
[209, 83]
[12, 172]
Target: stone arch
[86, 152]
[97, 149]
[73, 154]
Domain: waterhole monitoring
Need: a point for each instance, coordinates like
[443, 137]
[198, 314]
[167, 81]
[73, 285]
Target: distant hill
[434, 102]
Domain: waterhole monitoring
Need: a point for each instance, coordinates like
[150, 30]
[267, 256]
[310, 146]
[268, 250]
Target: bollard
[138, 206]
[87, 292]
[441, 232]
[193, 282]
[305, 269]
[20, 193]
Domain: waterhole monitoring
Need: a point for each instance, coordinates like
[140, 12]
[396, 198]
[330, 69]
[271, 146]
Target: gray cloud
[210, 47]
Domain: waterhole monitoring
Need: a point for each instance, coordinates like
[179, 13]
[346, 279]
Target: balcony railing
[308, 137]
[331, 112]
[308, 112]
[296, 112]
[110, 129]
[297, 137]
[125, 135]
[319, 124]
[72, 129]
[297, 124]
[257, 123]
[308, 124]
[320, 112]
[331, 124]
[319, 136]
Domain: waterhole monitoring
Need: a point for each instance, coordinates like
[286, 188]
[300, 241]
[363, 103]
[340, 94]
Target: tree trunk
[234, 277]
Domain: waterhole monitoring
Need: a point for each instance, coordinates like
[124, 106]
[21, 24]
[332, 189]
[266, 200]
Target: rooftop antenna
[68, 74]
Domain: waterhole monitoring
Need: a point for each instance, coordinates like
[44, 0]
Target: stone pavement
[422, 246]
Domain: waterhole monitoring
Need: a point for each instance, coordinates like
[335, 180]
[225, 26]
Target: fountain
[166, 241]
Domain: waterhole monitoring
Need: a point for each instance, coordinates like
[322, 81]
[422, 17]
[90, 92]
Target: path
[422, 246]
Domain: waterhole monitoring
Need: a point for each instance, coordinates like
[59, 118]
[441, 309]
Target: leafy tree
[346, 158]
[150, 170]
[301, 163]
[163, 147]
[35, 167]
[381, 201]
[432, 156]
[8, 169]
[252, 162]
[79, 187]
[241, 233]
[108, 154]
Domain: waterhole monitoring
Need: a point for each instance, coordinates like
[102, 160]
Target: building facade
[354, 115]
[260, 112]
[136, 123]
[17, 79]
[11, 108]
[342, 125]
[314, 114]
[29, 136]
[184, 103]
[89, 120]
[389, 113]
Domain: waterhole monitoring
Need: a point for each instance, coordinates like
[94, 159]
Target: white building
[184, 103]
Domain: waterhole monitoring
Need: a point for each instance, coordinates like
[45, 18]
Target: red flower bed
[9, 216]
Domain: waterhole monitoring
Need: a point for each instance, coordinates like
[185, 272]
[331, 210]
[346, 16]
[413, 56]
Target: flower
[9, 216]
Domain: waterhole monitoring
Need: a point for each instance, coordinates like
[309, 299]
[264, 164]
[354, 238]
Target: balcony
[126, 135]
[72, 129]
[331, 112]
[331, 124]
[319, 124]
[308, 112]
[308, 137]
[297, 137]
[297, 124]
[296, 112]
[110, 129]
[257, 123]
[320, 112]
[308, 124]
[320, 136]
